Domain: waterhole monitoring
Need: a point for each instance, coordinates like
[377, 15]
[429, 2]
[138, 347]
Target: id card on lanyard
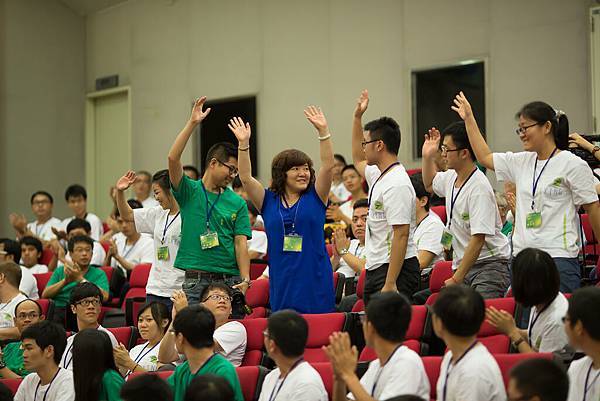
[534, 218]
[292, 241]
[209, 239]
[162, 252]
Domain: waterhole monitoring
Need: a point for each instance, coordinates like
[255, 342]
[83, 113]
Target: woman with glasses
[293, 208]
[551, 184]
[153, 320]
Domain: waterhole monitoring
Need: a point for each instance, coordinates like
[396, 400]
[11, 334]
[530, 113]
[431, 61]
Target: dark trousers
[407, 281]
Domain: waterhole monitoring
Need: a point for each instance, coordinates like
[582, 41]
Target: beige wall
[42, 103]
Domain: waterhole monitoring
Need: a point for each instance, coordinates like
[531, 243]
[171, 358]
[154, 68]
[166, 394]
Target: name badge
[446, 241]
[292, 243]
[209, 240]
[533, 220]
[162, 253]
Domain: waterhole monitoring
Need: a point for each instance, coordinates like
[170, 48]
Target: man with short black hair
[31, 252]
[27, 312]
[538, 379]
[143, 189]
[468, 371]
[43, 344]
[76, 197]
[192, 172]
[194, 328]
[86, 302]
[392, 263]
[10, 296]
[583, 329]
[10, 251]
[397, 370]
[146, 388]
[294, 379]
[82, 227]
[41, 205]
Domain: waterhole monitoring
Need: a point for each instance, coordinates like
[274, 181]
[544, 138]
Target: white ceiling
[87, 7]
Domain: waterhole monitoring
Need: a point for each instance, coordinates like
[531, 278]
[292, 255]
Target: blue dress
[302, 281]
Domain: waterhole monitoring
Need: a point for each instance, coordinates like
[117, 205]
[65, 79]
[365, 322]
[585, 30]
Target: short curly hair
[284, 161]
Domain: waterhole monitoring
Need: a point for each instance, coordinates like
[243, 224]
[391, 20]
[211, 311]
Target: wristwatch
[343, 251]
[518, 342]
[594, 150]
[247, 281]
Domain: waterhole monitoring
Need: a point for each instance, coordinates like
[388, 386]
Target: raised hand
[197, 113]
[60, 234]
[361, 104]
[241, 131]
[126, 181]
[462, 106]
[341, 240]
[316, 117]
[179, 299]
[432, 143]
[18, 221]
[577, 140]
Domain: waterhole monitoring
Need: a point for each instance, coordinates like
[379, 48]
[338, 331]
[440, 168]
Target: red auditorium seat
[257, 297]
[47, 306]
[254, 343]
[329, 249]
[413, 171]
[442, 271]
[108, 270]
[12, 384]
[105, 245]
[251, 378]
[440, 211]
[507, 361]
[320, 327]
[42, 280]
[432, 369]
[359, 306]
[489, 336]
[47, 255]
[137, 289]
[591, 243]
[125, 335]
[256, 270]
[163, 374]
[325, 370]
[339, 280]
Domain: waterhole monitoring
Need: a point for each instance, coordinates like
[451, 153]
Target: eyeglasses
[566, 319]
[30, 315]
[87, 302]
[521, 130]
[232, 169]
[364, 143]
[445, 149]
[40, 202]
[217, 297]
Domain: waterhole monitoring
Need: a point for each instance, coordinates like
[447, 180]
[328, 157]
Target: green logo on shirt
[557, 182]
[378, 205]
[233, 216]
[153, 359]
[465, 216]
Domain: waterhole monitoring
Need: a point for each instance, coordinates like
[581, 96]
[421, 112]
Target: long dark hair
[284, 161]
[92, 356]
[541, 112]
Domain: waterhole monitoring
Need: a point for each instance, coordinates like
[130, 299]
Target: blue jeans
[194, 287]
[570, 274]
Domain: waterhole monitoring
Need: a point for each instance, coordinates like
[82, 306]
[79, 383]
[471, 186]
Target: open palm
[462, 106]
[241, 131]
[197, 113]
[316, 118]
[126, 181]
[362, 103]
[432, 143]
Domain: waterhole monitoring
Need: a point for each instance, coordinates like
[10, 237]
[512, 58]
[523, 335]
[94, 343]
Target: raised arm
[175, 167]
[430, 148]
[123, 185]
[483, 153]
[253, 187]
[358, 153]
[325, 175]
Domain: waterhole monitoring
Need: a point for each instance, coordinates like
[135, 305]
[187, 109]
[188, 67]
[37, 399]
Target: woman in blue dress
[293, 208]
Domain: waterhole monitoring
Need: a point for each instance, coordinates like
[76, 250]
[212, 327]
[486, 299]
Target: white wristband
[323, 138]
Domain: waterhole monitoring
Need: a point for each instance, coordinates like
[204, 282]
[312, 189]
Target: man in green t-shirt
[27, 312]
[214, 219]
[194, 327]
[66, 277]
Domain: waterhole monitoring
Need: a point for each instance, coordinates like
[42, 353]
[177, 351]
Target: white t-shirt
[428, 236]
[232, 338]
[28, 285]
[164, 279]
[37, 269]
[548, 333]
[66, 361]
[94, 221]
[340, 191]
[140, 252]
[44, 231]
[476, 377]
[7, 311]
[578, 371]
[303, 383]
[566, 183]
[403, 373]
[145, 356]
[149, 202]
[355, 249]
[98, 255]
[392, 203]
[258, 242]
[475, 212]
[60, 389]
[347, 208]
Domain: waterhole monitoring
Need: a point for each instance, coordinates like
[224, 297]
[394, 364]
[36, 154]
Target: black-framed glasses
[218, 297]
[364, 143]
[233, 170]
[445, 149]
[521, 130]
[30, 315]
[88, 301]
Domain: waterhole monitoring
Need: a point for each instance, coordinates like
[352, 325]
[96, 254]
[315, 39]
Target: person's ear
[164, 323]
[42, 317]
[48, 352]
[74, 309]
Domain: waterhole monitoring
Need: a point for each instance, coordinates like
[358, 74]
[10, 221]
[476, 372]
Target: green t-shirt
[228, 218]
[93, 275]
[13, 357]
[217, 365]
[111, 386]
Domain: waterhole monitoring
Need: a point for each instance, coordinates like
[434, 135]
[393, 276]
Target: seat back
[507, 361]
[258, 293]
[442, 271]
[329, 248]
[138, 281]
[251, 378]
[497, 344]
[506, 304]
[105, 245]
[108, 270]
[47, 255]
[360, 286]
[42, 280]
[132, 309]
[413, 171]
[432, 369]
[124, 335]
[325, 370]
[339, 280]
[441, 212]
[416, 327]
[256, 270]
[12, 384]
[47, 306]
[320, 327]
[254, 341]
[359, 306]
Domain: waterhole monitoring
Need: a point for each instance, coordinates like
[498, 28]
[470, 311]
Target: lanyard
[128, 250]
[67, 353]
[456, 363]
[141, 355]
[355, 253]
[6, 304]
[274, 394]
[167, 225]
[587, 378]
[209, 207]
[48, 389]
[533, 321]
[39, 229]
[454, 198]
[536, 180]
[297, 204]
[381, 371]
[388, 168]
[422, 220]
